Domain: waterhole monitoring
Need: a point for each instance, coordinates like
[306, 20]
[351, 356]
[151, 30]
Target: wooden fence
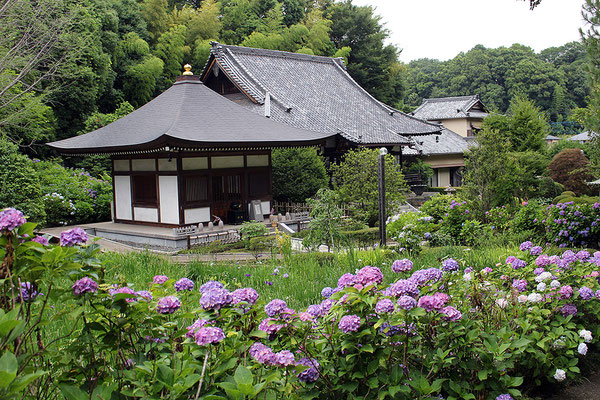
[282, 208]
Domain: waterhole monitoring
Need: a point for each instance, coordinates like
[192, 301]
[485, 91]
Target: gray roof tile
[314, 93]
[440, 108]
[188, 114]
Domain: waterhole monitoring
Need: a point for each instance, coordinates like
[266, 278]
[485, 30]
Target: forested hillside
[70, 66]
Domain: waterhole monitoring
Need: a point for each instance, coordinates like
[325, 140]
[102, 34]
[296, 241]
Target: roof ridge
[452, 98]
[279, 53]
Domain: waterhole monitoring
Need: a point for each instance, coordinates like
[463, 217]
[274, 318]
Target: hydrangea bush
[447, 330]
[409, 229]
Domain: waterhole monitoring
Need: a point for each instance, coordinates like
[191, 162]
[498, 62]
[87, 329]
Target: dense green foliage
[297, 174]
[555, 79]
[355, 178]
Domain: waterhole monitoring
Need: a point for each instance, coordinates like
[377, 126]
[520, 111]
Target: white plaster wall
[227, 162]
[196, 215]
[148, 164]
[144, 214]
[123, 197]
[257, 160]
[169, 199]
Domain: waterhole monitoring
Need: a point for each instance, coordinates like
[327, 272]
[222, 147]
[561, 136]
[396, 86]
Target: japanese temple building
[189, 155]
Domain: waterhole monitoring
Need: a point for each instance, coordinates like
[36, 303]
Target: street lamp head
[383, 151]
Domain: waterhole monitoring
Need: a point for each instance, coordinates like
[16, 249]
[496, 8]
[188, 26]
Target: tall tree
[371, 60]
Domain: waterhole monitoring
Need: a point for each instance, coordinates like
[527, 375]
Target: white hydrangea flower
[467, 277]
[582, 349]
[522, 298]
[544, 276]
[541, 287]
[554, 284]
[502, 303]
[559, 343]
[534, 298]
[560, 375]
[585, 335]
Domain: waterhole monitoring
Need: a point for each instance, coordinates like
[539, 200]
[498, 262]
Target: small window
[144, 189]
[196, 188]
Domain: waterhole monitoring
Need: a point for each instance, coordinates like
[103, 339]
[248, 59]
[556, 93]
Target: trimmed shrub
[570, 168]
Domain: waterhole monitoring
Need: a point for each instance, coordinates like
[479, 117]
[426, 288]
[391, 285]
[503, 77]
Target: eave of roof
[188, 115]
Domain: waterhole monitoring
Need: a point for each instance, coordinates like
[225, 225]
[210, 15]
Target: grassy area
[306, 273]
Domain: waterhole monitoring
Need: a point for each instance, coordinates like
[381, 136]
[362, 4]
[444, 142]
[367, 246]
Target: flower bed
[497, 332]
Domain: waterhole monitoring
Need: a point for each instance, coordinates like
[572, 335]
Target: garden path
[588, 390]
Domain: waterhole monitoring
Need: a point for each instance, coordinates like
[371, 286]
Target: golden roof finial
[188, 70]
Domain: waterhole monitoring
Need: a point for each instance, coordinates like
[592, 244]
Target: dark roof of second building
[314, 93]
[188, 114]
[451, 107]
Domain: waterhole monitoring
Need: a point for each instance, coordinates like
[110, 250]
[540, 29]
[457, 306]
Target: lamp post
[381, 175]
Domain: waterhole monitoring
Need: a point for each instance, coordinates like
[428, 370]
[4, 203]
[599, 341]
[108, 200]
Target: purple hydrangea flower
[402, 287]
[73, 237]
[536, 251]
[262, 354]
[440, 300]
[349, 323]
[525, 246]
[487, 270]
[566, 292]
[450, 314]
[543, 260]
[168, 305]
[367, 276]
[428, 303]
[268, 325]
[326, 306]
[84, 285]
[144, 294]
[583, 255]
[586, 293]
[215, 299]
[11, 219]
[28, 293]
[284, 358]
[311, 374]
[407, 302]
[450, 265]
[199, 323]
[41, 240]
[346, 280]
[248, 295]
[517, 263]
[160, 279]
[275, 307]
[424, 276]
[210, 285]
[519, 284]
[538, 270]
[403, 265]
[208, 334]
[568, 309]
[327, 292]
[184, 284]
[315, 310]
[504, 397]
[384, 306]
[510, 259]
[126, 290]
[569, 256]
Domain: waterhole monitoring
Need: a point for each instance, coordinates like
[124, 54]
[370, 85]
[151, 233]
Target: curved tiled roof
[314, 93]
[450, 107]
[447, 142]
[188, 114]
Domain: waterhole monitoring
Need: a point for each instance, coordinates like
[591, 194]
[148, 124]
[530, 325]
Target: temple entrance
[226, 190]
